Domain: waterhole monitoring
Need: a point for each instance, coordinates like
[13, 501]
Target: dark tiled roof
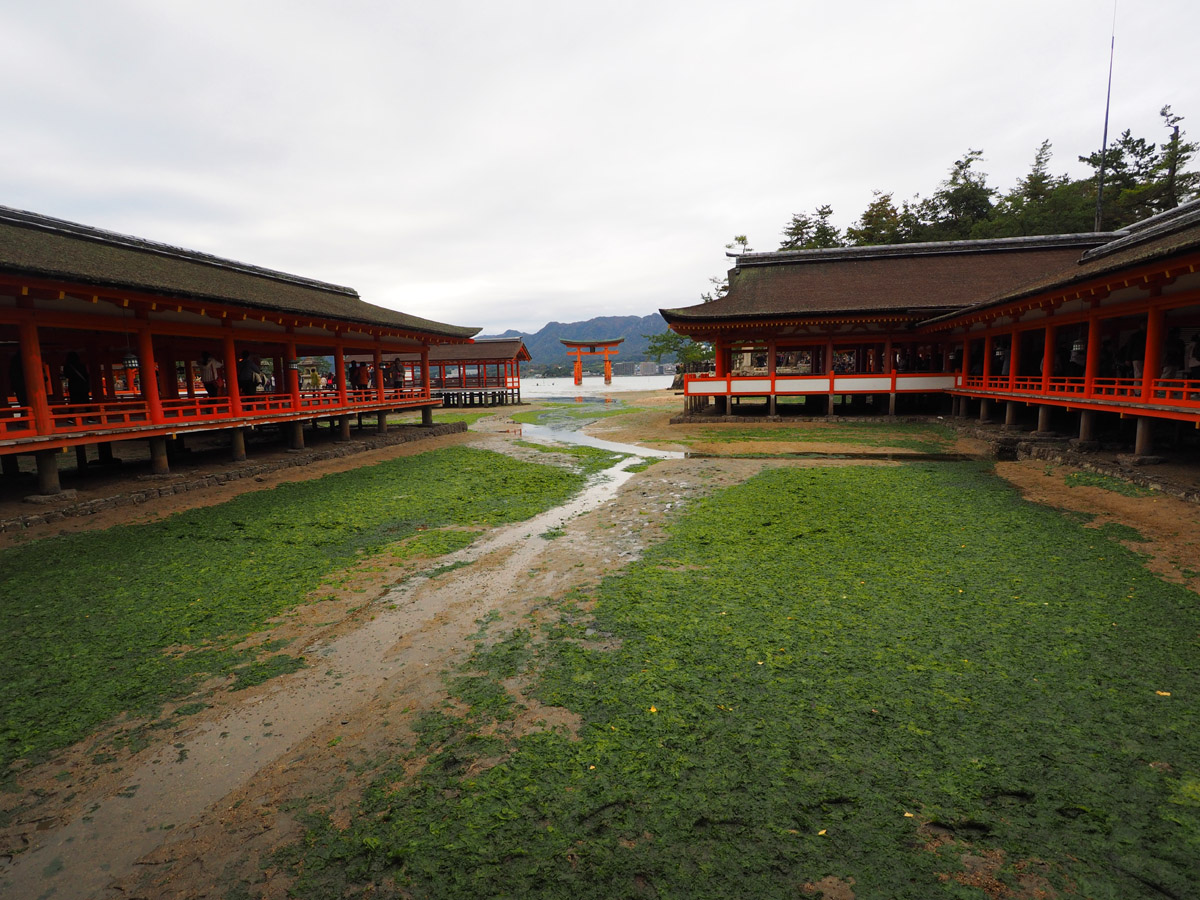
[918, 279]
[491, 349]
[1161, 237]
[40, 246]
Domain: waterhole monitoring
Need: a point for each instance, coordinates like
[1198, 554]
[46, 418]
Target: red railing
[16, 421]
[134, 413]
[1163, 392]
[1167, 394]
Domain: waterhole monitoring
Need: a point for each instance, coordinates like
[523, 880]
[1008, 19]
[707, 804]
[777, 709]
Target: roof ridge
[1159, 225]
[27, 219]
[931, 248]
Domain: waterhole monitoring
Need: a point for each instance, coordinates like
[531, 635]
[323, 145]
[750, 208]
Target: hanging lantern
[130, 361]
[293, 365]
[1078, 346]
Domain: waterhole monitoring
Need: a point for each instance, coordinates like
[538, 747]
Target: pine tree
[807, 232]
[880, 223]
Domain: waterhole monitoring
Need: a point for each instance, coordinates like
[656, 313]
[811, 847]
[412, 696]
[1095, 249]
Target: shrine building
[485, 372]
[106, 338]
[1073, 332]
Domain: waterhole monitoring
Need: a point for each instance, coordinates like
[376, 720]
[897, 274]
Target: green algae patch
[915, 437]
[99, 624]
[883, 677]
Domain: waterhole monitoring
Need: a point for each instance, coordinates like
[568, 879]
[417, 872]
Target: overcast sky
[503, 164]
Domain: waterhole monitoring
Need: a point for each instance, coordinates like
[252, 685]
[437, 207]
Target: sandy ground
[195, 811]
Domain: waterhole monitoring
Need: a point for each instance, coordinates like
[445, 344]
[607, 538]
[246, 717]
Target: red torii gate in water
[589, 348]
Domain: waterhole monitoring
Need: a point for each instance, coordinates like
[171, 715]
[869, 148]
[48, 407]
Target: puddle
[566, 435]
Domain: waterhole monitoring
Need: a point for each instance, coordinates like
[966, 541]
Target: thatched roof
[486, 350]
[33, 245]
[913, 279]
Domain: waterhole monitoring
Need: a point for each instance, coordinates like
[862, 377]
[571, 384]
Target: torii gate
[588, 348]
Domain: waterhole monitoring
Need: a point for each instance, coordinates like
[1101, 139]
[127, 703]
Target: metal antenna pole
[1112, 47]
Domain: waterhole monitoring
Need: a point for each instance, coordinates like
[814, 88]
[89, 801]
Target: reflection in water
[566, 435]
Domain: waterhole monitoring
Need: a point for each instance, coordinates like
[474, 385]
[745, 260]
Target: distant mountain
[546, 349]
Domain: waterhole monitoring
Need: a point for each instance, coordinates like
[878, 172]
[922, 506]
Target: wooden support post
[1143, 444]
[237, 442]
[81, 460]
[105, 453]
[10, 465]
[1044, 414]
[381, 422]
[344, 427]
[47, 472]
[1010, 414]
[158, 456]
[1087, 425]
[984, 410]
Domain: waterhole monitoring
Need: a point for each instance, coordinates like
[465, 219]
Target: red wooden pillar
[379, 386]
[989, 346]
[1152, 367]
[339, 368]
[31, 368]
[1014, 359]
[1048, 357]
[168, 376]
[607, 368]
[426, 385]
[52, 368]
[578, 366]
[150, 380]
[291, 370]
[231, 373]
[771, 410]
[1092, 366]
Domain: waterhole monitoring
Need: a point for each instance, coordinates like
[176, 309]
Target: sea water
[592, 387]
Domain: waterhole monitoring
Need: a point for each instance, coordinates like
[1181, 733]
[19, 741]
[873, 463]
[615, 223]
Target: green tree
[1177, 186]
[720, 286]
[1130, 183]
[684, 349]
[963, 201]
[880, 223]
[1041, 203]
[739, 240]
[815, 232]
